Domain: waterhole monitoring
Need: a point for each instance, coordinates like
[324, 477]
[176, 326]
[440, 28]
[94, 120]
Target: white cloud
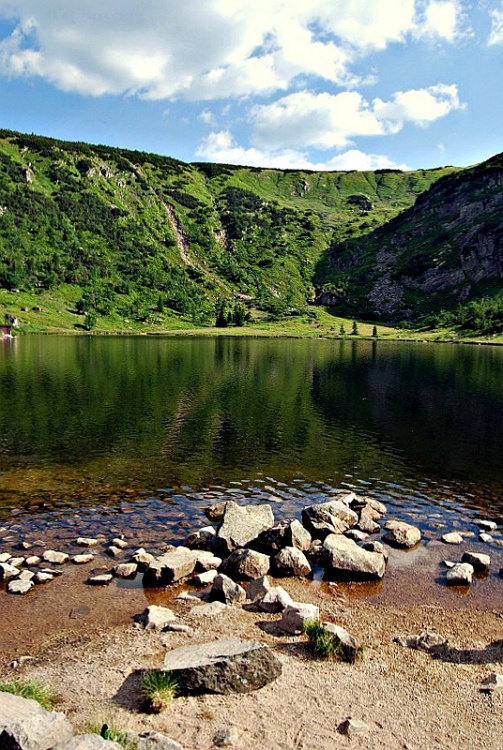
[305, 119]
[221, 147]
[208, 118]
[496, 35]
[206, 49]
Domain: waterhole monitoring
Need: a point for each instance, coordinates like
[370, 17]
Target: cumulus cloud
[206, 49]
[305, 119]
[496, 35]
[222, 147]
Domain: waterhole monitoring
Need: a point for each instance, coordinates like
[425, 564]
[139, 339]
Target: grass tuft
[327, 645]
[30, 689]
[158, 690]
[109, 731]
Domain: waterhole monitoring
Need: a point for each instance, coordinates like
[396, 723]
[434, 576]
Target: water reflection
[89, 414]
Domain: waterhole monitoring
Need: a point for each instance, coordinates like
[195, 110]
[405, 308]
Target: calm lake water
[158, 427]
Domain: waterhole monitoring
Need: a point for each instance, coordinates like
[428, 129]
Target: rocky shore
[427, 670]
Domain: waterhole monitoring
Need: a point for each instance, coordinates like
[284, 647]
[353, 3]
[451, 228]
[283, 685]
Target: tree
[221, 314]
[354, 329]
[342, 332]
[90, 320]
[374, 332]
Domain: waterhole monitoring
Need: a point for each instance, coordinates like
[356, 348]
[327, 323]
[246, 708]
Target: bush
[158, 690]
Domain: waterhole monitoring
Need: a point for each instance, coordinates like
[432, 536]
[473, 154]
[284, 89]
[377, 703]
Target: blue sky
[320, 84]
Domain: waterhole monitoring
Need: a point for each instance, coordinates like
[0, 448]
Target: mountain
[136, 233]
[444, 250]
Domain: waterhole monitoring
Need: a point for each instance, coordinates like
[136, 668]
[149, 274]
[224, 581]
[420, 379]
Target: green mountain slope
[137, 233]
[443, 253]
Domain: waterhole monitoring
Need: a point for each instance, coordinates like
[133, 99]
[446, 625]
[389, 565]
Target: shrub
[327, 645]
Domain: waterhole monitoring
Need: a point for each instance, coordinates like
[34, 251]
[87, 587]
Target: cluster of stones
[461, 573]
[22, 572]
[26, 725]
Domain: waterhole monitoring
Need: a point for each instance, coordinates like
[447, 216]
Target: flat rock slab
[344, 558]
[242, 524]
[25, 725]
[230, 665]
[170, 567]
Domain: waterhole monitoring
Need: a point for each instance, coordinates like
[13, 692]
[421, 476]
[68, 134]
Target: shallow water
[141, 433]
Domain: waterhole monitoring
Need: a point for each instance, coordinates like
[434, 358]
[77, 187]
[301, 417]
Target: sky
[307, 84]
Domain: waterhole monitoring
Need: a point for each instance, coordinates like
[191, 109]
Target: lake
[158, 427]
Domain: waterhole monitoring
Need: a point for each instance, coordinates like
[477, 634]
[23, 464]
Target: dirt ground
[90, 648]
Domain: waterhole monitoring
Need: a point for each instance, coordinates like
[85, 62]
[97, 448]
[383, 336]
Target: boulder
[460, 574]
[18, 586]
[452, 537]
[401, 534]
[142, 558]
[126, 570]
[258, 588]
[246, 564]
[170, 567]
[242, 524]
[206, 561]
[202, 539]
[296, 615]
[89, 741]
[333, 517]
[367, 519]
[156, 618]
[358, 503]
[5, 556]
[8, 571]
[204, 579]
[225, 590]
[230, 665]
[54, 557]
[481, 563]
[284, 534]
[275, 600]
[25, 725]
[290, 561]
[345, 559]
[35, 560]
[349, 645]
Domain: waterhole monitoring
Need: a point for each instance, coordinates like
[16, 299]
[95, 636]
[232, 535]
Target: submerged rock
[344, 558]
[170, 567]
[452, 537]
[401, 534]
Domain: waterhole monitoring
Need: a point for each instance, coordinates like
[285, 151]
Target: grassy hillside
[142, 239]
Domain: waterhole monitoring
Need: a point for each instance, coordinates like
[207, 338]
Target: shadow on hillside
[490, 654]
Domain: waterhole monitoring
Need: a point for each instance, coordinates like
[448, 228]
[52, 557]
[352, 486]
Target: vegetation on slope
[138, 237]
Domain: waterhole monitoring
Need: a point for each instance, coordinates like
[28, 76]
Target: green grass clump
[158, 690]
[327, 645]
[29, 689]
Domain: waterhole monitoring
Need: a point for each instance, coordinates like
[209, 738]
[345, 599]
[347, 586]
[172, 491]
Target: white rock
[82, 559]
[33, 560]
[486, 525]
[205, 579]
[8, 572]
[102, 580]
[275, 600]
[296, 615]
[85, 541]
[40, 577]
[120, 543]
[126, 570]
[17, 586]
[460, 574]
[156, 618]
[480, 562]
[493, 682]
[4, 556]
[452, 537]
[54, 557]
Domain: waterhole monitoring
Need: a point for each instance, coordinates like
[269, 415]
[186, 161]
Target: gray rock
[157, 741]
[246, 564]
[225, 666]
[204, 579]
[356, 535]
[55, 557]
[82, 559]
[101, 580]
[89, 741]
[113, 551]
[481, 563]
[8, 572]
[142, 558]
[211, 609]
[206, 561]
[126, 570]
[54, 572]
[290, 561]
[357, 503]
[425, 640]
[344, 558]
[367, 520]
[452, 537]
[333, 517]
[296, 615]
[32, 560]
[258, 589]
[460, 574]
[18, 586]
[170, 567]
[41, 577]
[491, 683]
[85, 541]
[242, 524]
[275, 600]
[374, 546]
[284, 534]
[25, 725]
[348, 642]
[203, 539]
[486, 525]
[156, 618]
[401, 534]
[226, 737]
[351, 727]
[225, 590]
[215, 512]
[119, 542]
